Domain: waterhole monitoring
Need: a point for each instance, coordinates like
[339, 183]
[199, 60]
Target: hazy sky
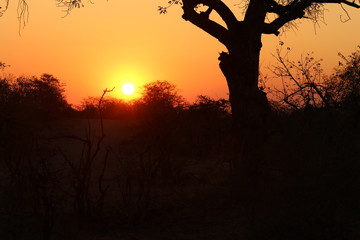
[110, 42]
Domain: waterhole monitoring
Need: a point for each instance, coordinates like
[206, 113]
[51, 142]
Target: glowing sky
[112, 42]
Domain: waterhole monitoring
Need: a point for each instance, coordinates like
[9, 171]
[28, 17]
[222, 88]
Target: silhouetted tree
[112, 108]
[160, 100]
[88, 107]
[344, 85]
[161, 93]
[303, 84]
[207, 105]
[207, 123]
[29, 98]
[240, 65]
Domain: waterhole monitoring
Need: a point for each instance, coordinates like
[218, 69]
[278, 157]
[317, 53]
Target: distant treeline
[304, 86]
[44, 98]
[108, 166]
[158, 98]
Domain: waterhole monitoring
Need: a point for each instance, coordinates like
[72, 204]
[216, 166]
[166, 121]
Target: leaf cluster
[163, 10]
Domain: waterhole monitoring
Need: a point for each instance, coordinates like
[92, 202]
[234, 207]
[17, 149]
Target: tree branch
[224, 12]
[295, 10]
[275, 7]
[202, 21]
[256, 11]
[349, 3]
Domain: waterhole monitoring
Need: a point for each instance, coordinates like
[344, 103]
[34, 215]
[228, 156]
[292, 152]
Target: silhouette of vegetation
[345, 83]
[45, 94]
[110, 168]
[159, 168]
[305, 86]
[240, 64]
[3, 65]
[29, 106]
[160, 103]
[112, 108]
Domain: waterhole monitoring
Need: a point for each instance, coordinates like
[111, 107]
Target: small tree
[344, 85]
[41, 98]
[112, 108]
[159, 102]
[207, 124]
[48, 94]
[302, 81]
[305, 86]
[162, 94]
[88, 107]
[206, 104]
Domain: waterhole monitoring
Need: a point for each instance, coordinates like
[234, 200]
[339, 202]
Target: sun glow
[127, 80]
[128, 88]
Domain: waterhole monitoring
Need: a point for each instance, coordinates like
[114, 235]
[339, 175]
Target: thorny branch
[302, 83]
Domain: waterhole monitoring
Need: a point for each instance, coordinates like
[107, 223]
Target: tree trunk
[249, 104]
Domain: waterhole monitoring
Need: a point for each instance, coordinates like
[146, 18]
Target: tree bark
[249, 104]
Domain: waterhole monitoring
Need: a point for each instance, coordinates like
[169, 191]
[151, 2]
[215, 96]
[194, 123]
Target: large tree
[240, 64]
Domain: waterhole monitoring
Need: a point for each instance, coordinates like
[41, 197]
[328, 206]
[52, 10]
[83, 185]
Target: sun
[128, 88]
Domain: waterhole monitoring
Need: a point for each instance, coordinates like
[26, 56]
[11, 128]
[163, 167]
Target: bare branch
[3, 65]
[23, 13]
[296, 10]
[69, 5]
[100, 110]
[347, 15]
[302, 82]
[349, 3]
[203, 22]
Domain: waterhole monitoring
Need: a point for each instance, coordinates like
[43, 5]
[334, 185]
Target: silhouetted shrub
[159, 104]
[205, 105]
[344, 84]
[207, 123]
[111, 108]
[40, 99]
[305, 87]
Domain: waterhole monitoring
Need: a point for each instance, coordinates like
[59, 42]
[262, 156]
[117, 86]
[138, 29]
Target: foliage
[41, 97]
[344, 84]
[205, 105]
[161, 94]
[159, 102]
[3, 65]
[305, 86]
[109, 178]
[207, 123]
[307, 171]
[301, 81]
[111, 108]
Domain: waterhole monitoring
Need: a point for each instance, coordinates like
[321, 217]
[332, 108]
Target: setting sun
[128, 88]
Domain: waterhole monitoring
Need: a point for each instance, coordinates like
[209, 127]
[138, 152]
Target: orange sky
[111, 42]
